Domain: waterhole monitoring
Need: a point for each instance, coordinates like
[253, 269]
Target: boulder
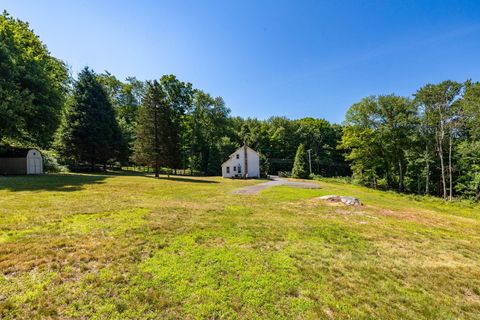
[346, 200]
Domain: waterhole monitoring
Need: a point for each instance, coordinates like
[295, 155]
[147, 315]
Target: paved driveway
[276, 181]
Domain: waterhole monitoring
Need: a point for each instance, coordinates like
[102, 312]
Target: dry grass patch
[134, 247]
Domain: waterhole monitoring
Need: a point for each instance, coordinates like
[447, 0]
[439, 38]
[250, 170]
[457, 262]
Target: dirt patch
[471, 295]
[411, 217]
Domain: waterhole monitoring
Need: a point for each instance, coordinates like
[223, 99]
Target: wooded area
[427, 144]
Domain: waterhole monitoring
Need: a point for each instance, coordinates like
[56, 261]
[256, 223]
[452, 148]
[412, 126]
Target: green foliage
[153, 124]
[440, 114]
[277, 140]
[198, 131]
[468, 157]
[470, 104]
[126, 98]
[32, 86]
[377, 135]
[89, 132]
[50, 162]
[209, 127]
[158, 136]
[300, 166]
[469, 165]
[264, 166]
[422, 146]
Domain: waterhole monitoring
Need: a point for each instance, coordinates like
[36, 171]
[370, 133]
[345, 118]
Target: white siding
[253, 162]
[34, 162]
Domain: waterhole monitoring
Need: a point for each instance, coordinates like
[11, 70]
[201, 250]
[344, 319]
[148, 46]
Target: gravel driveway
[276, 181]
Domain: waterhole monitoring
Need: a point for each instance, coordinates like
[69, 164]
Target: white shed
[243, 163]
[21, 161]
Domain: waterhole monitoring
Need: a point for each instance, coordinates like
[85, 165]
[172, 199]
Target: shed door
[34, 166]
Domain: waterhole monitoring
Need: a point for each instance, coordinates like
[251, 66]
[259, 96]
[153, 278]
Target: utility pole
[310, 160]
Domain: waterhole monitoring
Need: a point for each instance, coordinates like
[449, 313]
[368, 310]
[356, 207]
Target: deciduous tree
[32, 86]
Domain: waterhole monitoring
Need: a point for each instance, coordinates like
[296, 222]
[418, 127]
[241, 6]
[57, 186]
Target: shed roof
[14, 153]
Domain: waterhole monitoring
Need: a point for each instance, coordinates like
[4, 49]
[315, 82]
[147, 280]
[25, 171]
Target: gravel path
[276, 181]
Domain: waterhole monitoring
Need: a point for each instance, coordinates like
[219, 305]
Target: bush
[50, 162]
[264, 166]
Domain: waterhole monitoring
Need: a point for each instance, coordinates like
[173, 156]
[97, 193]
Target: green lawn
[134, 247]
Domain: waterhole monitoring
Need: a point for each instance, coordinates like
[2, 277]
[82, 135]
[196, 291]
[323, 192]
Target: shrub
[50, 162]
[300, 166]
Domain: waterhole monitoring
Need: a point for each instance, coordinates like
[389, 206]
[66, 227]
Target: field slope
[134, 247]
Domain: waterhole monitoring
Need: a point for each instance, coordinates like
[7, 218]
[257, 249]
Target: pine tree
[89, 132]
[300, 165]
[161, 137]
[156, 141]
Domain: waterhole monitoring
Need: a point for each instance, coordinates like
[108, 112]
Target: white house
[243, 163]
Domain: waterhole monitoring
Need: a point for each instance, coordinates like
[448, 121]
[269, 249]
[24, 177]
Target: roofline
[16, 153]
[236, 152]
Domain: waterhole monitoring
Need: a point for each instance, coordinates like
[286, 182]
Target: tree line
[426, 144]
[96, 119]
[166, 123]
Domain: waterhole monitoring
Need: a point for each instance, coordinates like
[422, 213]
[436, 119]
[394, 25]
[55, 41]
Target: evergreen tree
[155, 143]
[178, 102]
[89, 132]
[300, 165]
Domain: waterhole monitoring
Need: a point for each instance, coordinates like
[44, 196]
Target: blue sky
[291, 58]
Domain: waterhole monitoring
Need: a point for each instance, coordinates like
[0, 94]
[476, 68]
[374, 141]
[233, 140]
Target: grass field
[134, 247]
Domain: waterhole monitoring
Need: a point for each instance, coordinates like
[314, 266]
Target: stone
[347, 200]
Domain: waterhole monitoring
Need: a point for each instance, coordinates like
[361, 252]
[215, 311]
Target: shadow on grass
[75, 181]
[50, 182]
[163, 176]
[182, 179]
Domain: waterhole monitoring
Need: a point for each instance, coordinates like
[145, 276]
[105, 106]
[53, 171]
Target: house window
[234, 168]
[239, 169]
[228, 169]
[238, 156]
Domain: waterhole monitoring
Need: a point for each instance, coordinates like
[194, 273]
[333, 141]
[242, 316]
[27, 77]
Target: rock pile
[349, 201]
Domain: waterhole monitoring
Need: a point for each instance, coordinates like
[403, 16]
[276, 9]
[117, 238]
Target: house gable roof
[236, 151]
